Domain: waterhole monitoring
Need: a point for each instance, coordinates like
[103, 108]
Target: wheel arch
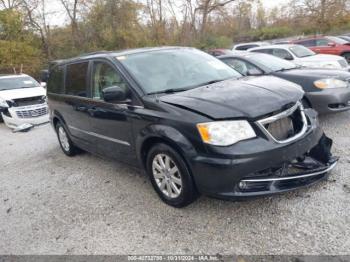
[163, 134]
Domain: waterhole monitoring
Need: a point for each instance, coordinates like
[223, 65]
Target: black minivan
[192, 122]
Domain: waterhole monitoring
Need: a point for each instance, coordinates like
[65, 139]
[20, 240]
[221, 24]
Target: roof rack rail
[94, 53]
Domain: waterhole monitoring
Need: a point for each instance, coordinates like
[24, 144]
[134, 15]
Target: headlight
[225, 133]
[3, 103]
[330, 83]
[332, 65]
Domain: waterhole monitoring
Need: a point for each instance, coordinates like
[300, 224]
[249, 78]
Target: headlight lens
[225, 133]
[333, 65]
[330, 65]
[330, 83]
[3, 103]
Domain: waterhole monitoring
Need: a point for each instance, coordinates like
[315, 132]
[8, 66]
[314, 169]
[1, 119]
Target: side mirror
[331, 44]
[3, 106]
[43, 84]
[114, 93]
[254, 72]
[289, 58]
[3, 109]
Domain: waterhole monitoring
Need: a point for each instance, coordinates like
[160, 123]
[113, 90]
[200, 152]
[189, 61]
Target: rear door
[111, 123]
[76, 102]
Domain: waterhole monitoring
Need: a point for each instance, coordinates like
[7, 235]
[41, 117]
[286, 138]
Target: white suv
[303, 56]
[22, 100]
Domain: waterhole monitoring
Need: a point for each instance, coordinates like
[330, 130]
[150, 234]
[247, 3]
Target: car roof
[310, 38]
[125, 52]
[284, 46]
[253, 43]
[2, 76]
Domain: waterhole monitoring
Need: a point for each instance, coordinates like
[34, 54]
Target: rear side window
[307, 43]
[265, 51]
[76, 79]
[322, 42]
[55, 84]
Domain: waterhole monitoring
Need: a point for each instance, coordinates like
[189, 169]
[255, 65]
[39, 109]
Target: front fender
[167, 134]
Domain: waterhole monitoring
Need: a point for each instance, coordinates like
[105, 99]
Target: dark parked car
[327, 91]
[190, 122]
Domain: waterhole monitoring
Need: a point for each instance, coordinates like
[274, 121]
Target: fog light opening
[243, 185]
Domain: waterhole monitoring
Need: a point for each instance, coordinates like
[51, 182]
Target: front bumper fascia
[220, 176]
[330, 100]
[12, 121]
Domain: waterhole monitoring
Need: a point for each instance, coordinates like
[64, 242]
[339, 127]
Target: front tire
[170, 176]
[65, 142]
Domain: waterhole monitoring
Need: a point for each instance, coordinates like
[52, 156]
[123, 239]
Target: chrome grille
[286, 126]
[32, 113]
[282, 128]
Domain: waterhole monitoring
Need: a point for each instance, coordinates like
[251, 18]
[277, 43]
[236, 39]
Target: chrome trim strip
[100, 136]
[292, 177]
[281, 115]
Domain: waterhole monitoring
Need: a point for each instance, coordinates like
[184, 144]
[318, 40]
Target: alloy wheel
[167, 175]
[62, 136]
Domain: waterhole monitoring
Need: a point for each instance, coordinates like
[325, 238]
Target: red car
[327, 45]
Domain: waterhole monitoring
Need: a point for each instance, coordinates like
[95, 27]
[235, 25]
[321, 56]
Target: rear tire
[64, 140]
[1, 120]
[170, 176]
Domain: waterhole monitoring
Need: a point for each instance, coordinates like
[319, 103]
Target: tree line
[28, 40]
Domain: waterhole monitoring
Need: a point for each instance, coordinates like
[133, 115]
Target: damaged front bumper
[301, 172]
[260, 167]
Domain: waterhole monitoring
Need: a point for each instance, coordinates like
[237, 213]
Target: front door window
[105, 76]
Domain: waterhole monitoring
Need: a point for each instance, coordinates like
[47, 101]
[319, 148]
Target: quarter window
[307, 43]
[55, 84]
[76, 79]
[105, 76]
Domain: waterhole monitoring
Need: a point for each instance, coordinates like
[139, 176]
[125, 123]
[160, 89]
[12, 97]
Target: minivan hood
[248, 98]
[321, 58]
[22, 93]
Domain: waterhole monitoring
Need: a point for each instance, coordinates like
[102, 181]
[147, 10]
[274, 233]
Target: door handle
[80, 108]
[92, 110]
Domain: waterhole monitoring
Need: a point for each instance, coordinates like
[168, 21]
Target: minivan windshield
[271, 62]
[301, 51]
[175, 70]
[17, 82]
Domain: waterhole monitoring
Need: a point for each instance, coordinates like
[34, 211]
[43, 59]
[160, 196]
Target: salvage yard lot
[52, 204]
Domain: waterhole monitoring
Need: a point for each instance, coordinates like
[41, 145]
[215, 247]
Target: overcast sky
[59, 18]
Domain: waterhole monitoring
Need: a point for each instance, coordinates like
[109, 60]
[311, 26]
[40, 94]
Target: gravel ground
[52, 204]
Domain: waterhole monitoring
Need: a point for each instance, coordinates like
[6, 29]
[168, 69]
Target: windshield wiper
[175, 90]
[211, 82]
[285, 69]
[168, 91]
